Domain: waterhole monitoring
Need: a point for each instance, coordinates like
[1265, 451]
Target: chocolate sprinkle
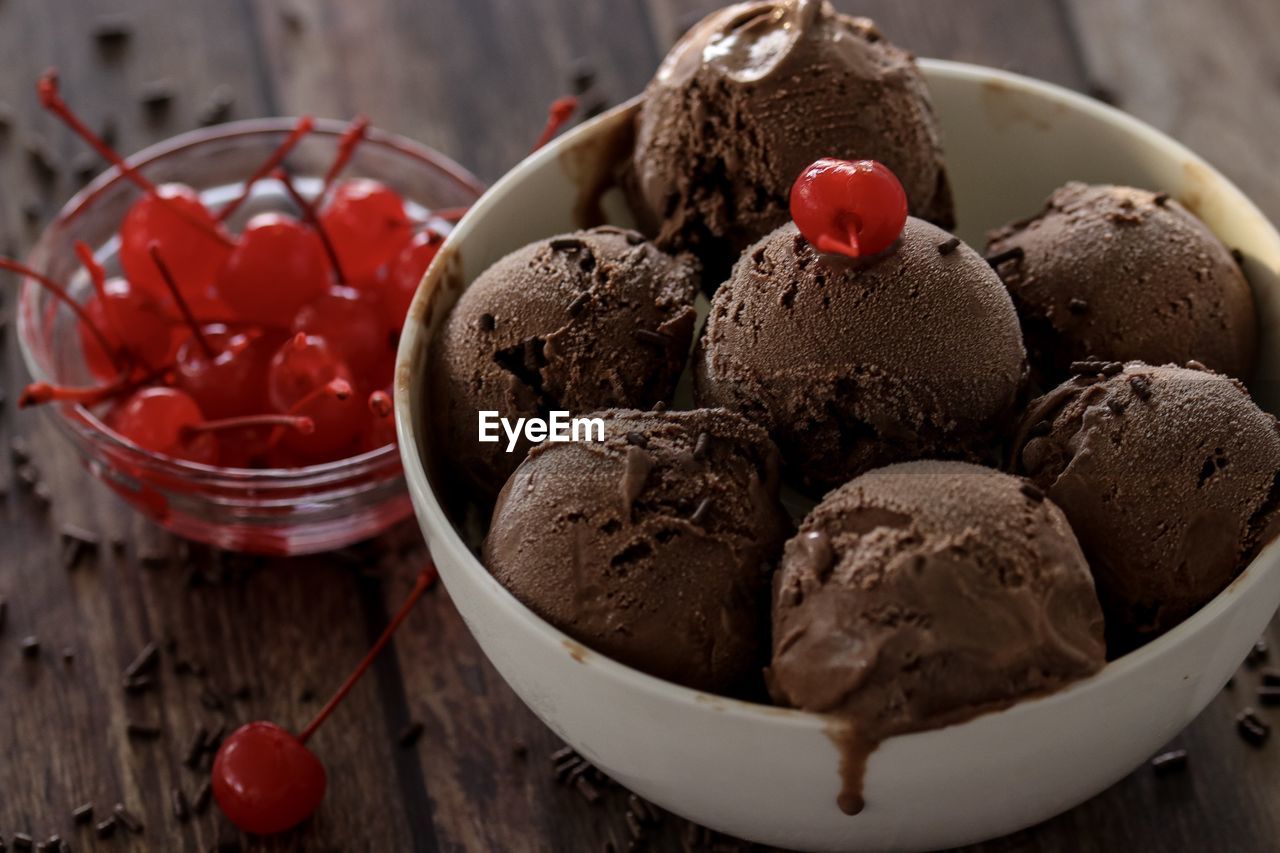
[1077, 305]
[1161, 199]
[83, 813]
[1252, 728]
[144, 662]
[218, 108]
[566, 244]
[203, 795]
[410, 735]
[4, 614]
[138, 684]
[128, 819]
[1271, 677]
[648, 336]
[181, 810]
[589, 792]
[1169, 762]
[700, 514]
[195, 750]
[1032, 492]
[1258, 653]
[948, 246]
[143, 731]
[30, 646]
[487, 322]
[106, 828]
[1269, 696]
[111, 31]
[579, 302]
[157, 96]
[1014, 254]
[21, 841]
[700, 446]
[1141, 387]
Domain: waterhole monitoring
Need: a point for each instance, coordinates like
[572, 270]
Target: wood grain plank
[1208, 76]
[289, 632]
[1027, 36]
[470, 77]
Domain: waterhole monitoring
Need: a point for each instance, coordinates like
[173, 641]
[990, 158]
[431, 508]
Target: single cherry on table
[855, 208]
[265, 779]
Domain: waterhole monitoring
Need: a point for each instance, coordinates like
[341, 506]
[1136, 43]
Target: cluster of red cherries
[271, 348]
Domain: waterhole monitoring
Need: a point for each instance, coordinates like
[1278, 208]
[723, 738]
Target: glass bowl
[263, 511]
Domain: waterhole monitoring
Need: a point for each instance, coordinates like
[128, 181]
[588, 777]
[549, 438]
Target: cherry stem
[61, 294]
[313, 219]
[301, 423]
[351, 139]
[557, 115]
[339, 389]
[51, 100]
[40, 393]
[96, 273]
[304, 126]
[426, 579]
[183, 307]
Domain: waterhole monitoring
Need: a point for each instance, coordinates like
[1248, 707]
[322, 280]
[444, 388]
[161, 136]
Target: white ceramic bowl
[770, 774]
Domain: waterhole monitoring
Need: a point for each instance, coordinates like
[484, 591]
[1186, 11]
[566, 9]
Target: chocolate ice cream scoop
[1118, 273]
[852, 364]
[579, 322]
[653, 547]
[922, 594]
[755, 93]
[1169, 478]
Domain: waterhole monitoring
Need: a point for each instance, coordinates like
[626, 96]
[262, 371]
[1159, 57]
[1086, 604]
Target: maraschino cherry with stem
[855, 208]
[135, 321]
[60, 293]
[265, 779]
[171, 215]
[168, 421]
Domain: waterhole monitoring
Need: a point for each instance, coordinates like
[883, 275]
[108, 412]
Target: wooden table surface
[473, 78]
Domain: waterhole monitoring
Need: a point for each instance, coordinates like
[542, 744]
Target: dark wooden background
[472, 77]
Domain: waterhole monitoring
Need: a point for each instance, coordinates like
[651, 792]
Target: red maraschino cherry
[277, 266]
[265, 779]
[168, 421]
[405, 275]
[855, 208]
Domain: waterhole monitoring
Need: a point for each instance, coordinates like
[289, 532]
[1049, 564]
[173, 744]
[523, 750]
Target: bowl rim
[442, 535]
[80, 420]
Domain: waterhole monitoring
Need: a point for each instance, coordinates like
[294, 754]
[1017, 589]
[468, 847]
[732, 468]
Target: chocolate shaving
[181, 809]
[700, 514]
[948, 246]
[1014, 254]
[128, 819]
[411, 734]
[1169, 762]
[579, 302]
[648, 336]
[1252, 728]
[144, 662]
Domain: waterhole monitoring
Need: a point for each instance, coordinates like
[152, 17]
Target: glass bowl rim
[82, 422]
